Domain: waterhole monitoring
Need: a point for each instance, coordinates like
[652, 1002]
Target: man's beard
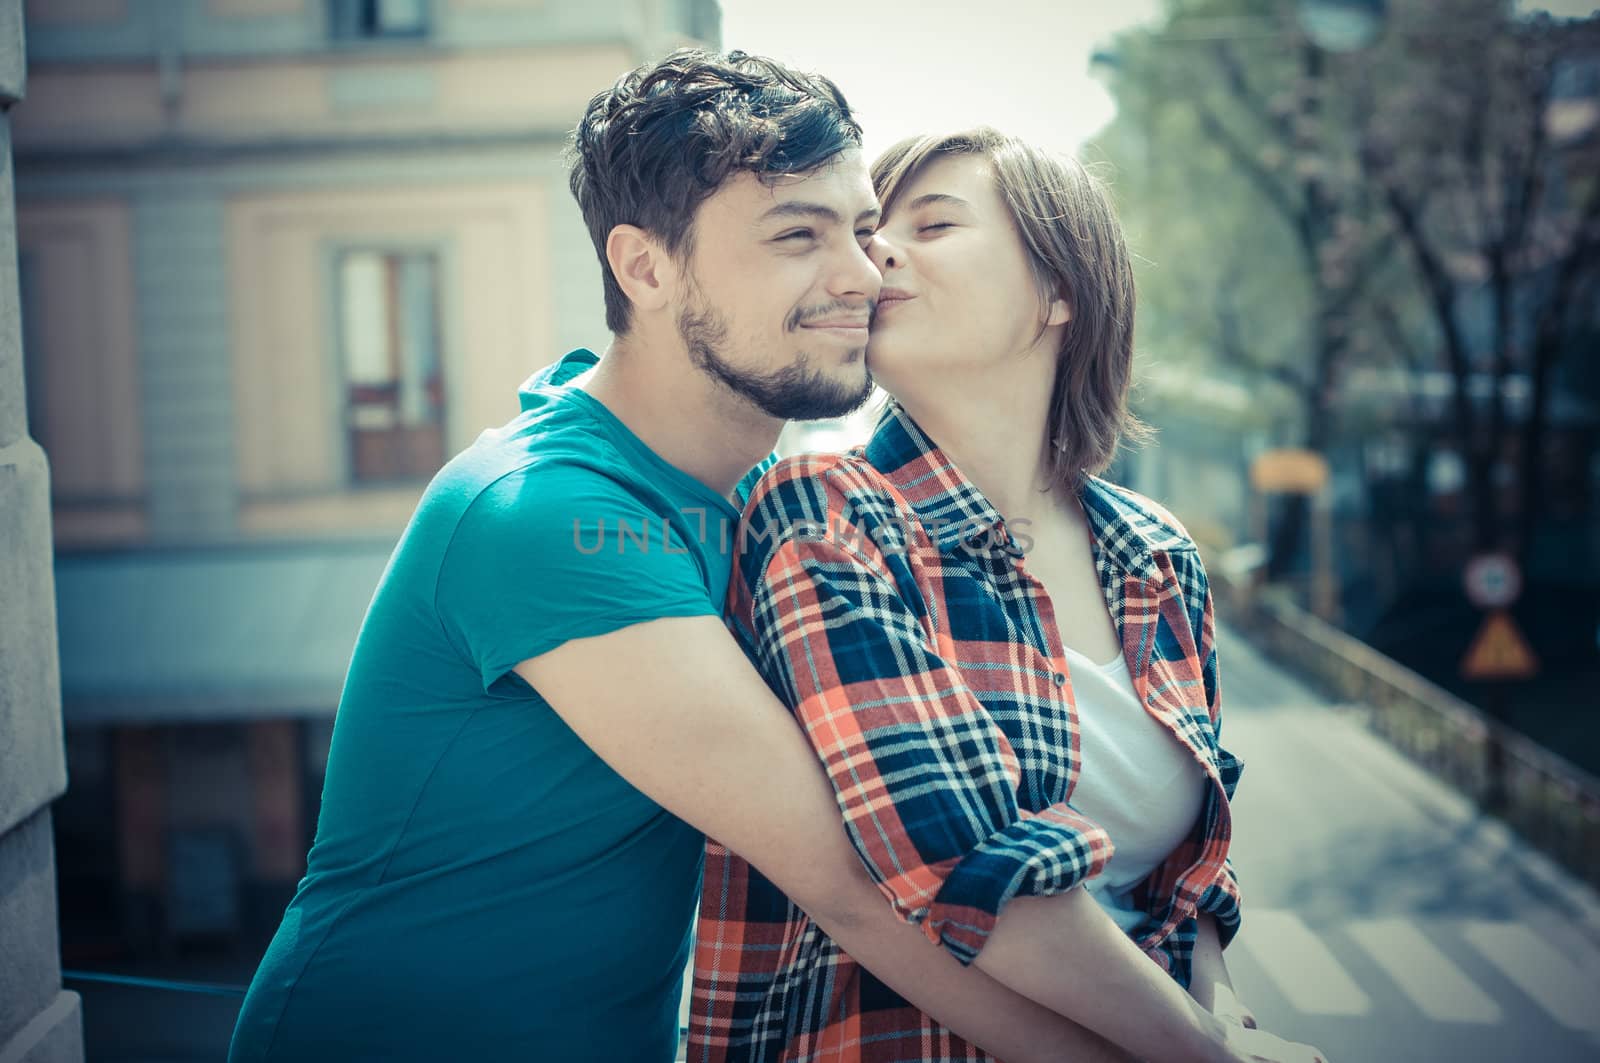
[793, 393]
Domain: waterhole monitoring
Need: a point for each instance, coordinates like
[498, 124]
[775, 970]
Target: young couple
[916, 735]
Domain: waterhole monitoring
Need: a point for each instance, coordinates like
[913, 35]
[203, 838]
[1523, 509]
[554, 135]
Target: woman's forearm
[1209, 969]
[1066, 953]
[998, 1020]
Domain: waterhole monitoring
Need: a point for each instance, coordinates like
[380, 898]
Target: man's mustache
[804, 315]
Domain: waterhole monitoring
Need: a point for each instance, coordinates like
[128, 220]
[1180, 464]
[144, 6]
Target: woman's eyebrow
[937, 197]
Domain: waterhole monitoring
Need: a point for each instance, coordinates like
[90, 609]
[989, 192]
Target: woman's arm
[1067, 953]
[1002, 1022]
[926, 785]
[927, 782]
[1210, 970]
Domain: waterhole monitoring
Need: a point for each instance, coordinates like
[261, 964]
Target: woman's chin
[882, 365]
[884, 353]
[893, 364]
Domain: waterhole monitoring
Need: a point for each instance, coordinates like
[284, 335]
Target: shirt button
[1058, 679]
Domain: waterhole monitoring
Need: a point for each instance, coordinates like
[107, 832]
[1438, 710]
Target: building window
[393, 385]
[356, 20]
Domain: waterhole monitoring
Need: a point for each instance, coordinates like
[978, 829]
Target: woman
[1005, 663]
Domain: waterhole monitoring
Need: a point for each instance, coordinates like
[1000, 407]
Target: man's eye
[866, 234]
[798, 234]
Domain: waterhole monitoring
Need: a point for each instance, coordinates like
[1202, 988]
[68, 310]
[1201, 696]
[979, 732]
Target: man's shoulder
[819, 484]
[841, 501]
[498, 499]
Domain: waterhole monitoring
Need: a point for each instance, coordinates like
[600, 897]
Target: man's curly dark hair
[650, 149]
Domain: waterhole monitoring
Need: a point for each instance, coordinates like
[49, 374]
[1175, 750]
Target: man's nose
[857, 275]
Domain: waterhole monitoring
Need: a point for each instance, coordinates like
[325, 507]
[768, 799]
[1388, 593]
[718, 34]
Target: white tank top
[1137, 780]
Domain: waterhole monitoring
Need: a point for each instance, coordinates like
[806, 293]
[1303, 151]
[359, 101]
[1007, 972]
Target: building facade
[278, 259]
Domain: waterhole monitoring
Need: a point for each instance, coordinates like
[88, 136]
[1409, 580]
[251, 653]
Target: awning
[225, 633]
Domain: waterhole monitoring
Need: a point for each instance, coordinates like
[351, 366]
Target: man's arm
[677, 710]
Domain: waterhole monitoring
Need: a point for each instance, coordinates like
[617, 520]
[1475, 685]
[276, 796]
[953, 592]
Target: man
[544, 708]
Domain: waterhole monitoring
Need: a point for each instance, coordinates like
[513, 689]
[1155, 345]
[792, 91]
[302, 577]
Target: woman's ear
[645, 273]
[1059, 313]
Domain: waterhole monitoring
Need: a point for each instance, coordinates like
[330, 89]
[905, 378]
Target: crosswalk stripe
[1545, 975]
[1301, 966]
[1423, 973]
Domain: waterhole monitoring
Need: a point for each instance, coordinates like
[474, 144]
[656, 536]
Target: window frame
[336, 369]
[333, 23]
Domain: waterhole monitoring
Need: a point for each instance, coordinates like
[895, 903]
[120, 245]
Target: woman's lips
[891, 297]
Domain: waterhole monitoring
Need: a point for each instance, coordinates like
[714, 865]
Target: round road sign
[1492, 581]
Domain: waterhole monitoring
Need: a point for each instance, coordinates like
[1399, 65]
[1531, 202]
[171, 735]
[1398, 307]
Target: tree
[1259, 178]
[1370, 206]
[1485, 161]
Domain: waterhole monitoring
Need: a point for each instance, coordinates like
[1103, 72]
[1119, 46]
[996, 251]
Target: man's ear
[644, 271]
[1058, 313]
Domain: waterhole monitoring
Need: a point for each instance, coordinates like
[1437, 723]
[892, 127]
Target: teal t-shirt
[483, 886]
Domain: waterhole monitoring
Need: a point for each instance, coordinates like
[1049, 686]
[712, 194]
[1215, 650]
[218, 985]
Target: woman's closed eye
[935, 226]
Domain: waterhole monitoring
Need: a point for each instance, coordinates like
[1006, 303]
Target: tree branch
[1441, 291]
[1525, 204]
[1388, 319]
[1239, 87]
[1252, 168]
[1377, 251]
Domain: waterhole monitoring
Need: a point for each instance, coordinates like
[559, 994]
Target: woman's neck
[994, 426]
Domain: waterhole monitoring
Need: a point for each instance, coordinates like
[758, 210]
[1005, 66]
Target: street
[1383, 920]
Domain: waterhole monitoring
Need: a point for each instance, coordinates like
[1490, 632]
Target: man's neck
[681, 414]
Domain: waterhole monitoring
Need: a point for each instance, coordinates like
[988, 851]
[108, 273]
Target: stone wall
[39, 1022]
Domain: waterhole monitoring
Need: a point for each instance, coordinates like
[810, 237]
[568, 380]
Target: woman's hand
[1259, 1046]
[1227, 1006]
[1248, 1042]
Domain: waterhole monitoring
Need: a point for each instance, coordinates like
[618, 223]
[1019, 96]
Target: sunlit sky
[917, 66]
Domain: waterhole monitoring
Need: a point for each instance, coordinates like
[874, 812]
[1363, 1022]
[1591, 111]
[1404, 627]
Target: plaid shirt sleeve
[843, 622]
[1222, 899]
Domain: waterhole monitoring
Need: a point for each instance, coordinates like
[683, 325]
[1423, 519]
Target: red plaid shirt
[883, 599]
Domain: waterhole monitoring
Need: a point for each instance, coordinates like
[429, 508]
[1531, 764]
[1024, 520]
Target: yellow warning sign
[1499, 651]
[1289, 471]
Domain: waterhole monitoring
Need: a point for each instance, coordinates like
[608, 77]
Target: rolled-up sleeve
[1222, 899]
[926, 780]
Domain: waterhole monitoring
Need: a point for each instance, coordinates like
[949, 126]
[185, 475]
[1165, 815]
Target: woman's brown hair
[1075, 248]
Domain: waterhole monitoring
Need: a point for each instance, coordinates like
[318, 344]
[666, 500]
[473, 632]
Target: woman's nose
[884, 254]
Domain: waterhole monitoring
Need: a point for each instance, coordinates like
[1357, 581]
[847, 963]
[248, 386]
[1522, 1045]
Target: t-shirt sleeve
[547, 555]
